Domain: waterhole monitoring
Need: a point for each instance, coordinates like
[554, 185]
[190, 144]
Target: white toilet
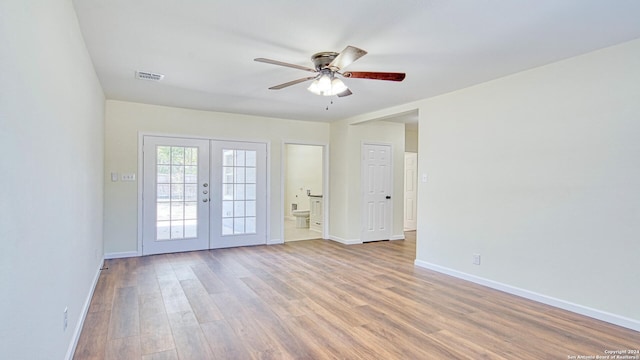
[302, 218]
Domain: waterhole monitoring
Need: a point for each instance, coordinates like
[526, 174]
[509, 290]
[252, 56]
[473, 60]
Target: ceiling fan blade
[346, 57]
[282, 86]
[280, 63]
[375, 75]
[345, 93]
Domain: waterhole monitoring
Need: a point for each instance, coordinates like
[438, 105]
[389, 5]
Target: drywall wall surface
[538, 173]
[51, 140]
[339, 168]
[411, 140]
[126, 120]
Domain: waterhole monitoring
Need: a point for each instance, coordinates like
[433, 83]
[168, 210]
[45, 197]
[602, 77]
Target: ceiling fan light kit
[327, 85]
[327, 65]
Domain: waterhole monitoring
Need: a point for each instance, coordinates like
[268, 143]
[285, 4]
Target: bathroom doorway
[303, 191]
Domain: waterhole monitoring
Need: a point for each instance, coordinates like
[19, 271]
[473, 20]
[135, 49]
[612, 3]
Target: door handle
[388, 197]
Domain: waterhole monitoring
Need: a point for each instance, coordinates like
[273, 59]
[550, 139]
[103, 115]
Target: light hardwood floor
[318, 299]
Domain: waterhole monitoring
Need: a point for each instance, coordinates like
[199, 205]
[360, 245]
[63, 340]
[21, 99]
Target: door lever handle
[388, 197]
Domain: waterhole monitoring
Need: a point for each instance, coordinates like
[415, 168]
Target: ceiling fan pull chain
[331, 103]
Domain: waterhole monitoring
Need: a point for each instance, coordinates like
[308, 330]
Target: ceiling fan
[329, 64]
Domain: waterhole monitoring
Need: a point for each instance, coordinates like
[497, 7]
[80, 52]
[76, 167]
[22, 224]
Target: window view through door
[177, 195]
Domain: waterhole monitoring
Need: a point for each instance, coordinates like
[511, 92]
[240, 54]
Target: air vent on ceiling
[145, 75]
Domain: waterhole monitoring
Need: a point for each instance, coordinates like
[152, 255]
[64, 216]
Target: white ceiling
[205, 48]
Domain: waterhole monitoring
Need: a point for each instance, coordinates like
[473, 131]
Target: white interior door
[377, 192]
[410, 190]
[175, 195]
[239, 194]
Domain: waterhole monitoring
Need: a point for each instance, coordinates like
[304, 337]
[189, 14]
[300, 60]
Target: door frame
[415, 179]
[140, 173]
[391, 189]
[325, 185]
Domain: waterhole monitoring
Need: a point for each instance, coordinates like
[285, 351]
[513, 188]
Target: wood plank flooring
[318, 299]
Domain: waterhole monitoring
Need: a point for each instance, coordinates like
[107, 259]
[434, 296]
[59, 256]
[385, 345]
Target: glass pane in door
[177, 192]
[238, 192]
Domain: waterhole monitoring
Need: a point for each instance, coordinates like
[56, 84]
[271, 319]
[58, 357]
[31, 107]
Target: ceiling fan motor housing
[322, 60]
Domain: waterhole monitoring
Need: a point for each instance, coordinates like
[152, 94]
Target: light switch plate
[128, 177]
[114, 176]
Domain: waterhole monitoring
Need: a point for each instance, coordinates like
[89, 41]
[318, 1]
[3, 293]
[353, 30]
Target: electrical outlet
[476, 259]
[65, 319]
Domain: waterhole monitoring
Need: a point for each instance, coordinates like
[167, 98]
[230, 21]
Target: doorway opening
[303, 192]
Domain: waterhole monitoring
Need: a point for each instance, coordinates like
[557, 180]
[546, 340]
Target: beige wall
[411, 140]
[125, 120]
[539, 172]
[51, 140]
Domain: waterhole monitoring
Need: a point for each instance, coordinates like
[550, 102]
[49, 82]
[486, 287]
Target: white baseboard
[625, 322]
[119, 255]
[275, 241]
[358, 241]
[345, 241]
[83, 315]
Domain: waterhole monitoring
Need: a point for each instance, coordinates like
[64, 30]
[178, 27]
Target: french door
[238, 199]
[202, 194]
